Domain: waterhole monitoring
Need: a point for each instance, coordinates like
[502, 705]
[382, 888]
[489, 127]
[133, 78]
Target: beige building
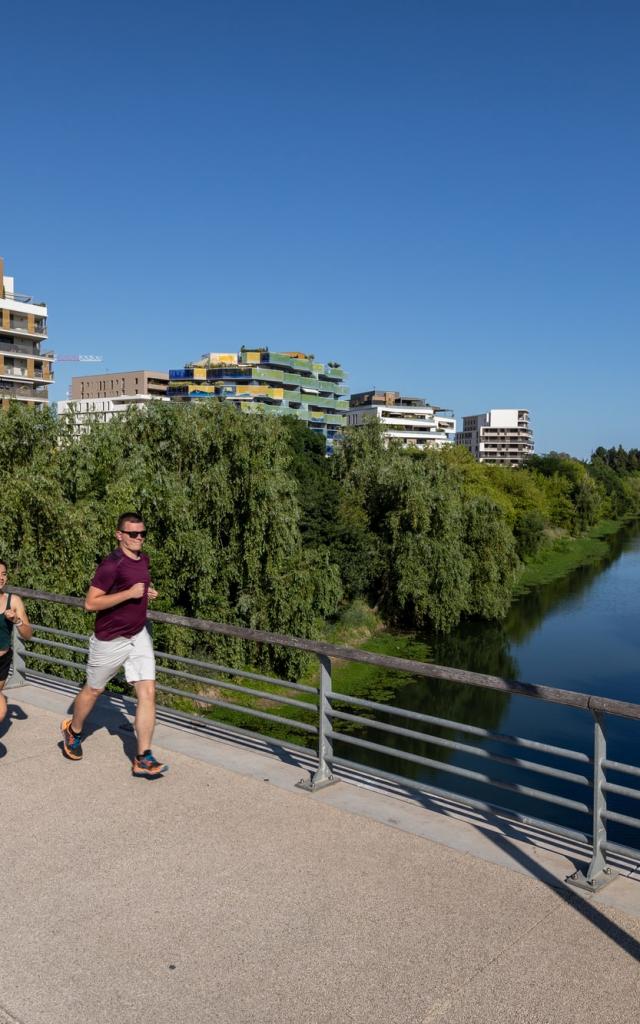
[25, 371]
[502, 437]
[113, 385]
[410, 421]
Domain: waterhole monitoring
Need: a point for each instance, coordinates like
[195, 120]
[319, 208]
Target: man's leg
[144, 763]
[145, 713]
[83, 706]
[71, 728]
[3, 702]
[105, 658]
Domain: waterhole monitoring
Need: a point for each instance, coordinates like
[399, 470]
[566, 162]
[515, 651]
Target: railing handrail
[554, 695]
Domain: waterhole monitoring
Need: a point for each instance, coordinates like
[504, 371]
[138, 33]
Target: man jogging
[119, 594]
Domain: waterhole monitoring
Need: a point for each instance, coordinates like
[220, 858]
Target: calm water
[581, 633]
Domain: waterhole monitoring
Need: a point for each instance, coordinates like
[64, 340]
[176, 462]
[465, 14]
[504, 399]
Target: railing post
[18, 671]
[323, 775]
[598, 873]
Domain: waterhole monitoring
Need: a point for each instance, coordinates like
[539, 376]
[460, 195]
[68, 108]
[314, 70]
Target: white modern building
[502, 437]
[411, 421]
[25, 371]
[86, 411]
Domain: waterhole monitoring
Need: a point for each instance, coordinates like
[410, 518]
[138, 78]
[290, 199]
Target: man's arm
[98, 601]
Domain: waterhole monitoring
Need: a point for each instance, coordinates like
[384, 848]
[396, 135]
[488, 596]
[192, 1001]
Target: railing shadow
[580, 904]
[510, 842]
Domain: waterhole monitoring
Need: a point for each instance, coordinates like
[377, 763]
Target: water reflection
[577, 633]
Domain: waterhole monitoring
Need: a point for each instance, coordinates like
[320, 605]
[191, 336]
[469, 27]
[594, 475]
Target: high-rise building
[127, 382]
[284, 383]
[502, 437]
[25, 371]
[411, 421]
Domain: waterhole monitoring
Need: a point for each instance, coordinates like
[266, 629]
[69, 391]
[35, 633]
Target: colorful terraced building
[284, 383]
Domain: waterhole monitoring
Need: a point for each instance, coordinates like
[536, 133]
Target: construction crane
[77, 359]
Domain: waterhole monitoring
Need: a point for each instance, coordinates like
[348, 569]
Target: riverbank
[359, 626]
[562, 554]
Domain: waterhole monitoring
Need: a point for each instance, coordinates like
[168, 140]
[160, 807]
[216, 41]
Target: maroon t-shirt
[115, 573]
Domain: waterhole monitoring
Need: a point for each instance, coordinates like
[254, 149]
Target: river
[580, 633]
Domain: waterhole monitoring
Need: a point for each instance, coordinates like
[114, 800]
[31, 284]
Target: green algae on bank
[565, 554]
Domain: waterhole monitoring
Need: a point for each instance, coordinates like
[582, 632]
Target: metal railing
[18, 327]
[324, 708]
[23, 348]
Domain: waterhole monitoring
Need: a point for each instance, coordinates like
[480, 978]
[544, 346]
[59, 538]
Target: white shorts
[106, 657]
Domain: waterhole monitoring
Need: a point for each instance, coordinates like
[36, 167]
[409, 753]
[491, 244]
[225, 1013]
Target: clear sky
[443, 196]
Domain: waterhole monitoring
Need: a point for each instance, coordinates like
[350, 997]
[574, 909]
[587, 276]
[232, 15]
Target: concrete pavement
[221, 893]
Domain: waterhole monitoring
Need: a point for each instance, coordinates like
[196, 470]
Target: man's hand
[152, 593]
[136, 591]
[11, 614]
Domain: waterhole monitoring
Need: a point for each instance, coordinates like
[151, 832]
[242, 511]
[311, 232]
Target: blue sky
[443, 196]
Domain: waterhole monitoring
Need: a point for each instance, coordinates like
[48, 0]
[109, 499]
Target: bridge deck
[221, 893]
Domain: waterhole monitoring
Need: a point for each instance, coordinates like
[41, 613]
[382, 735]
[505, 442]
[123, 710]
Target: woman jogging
[12, 615]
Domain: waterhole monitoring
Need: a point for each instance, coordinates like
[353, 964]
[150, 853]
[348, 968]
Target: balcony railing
[19, 297]
[21, 348]
[15, 371]
[405, 735]
[21, 327]
[34, 394]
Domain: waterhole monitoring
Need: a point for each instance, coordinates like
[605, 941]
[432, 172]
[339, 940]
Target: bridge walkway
[222, 893]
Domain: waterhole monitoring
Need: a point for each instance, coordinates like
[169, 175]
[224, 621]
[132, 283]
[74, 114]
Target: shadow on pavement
[509, 841]
[107, 715]
[14, 714]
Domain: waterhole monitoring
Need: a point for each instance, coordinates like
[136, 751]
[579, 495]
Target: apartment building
[501, 437]
[114, 385]
[280, 383]
[25, 370]
[411, 421]
[86, 411]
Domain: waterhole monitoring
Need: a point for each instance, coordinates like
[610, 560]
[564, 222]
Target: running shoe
[70, 744]
[147, 767]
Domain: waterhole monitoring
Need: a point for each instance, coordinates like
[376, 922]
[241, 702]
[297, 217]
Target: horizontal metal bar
[225, 685]
[587, 701]
[612, 787]
[473, 730]
[54, 661]
[59, 632]
[622, 819]
[618, 766]
[165, 712]
[465, 748]
[201, 698]
[57, 643]
[213, 667]
[625, 851]
[477, 805]
[511, 787]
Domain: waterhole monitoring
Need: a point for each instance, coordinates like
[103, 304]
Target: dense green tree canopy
[249, 522]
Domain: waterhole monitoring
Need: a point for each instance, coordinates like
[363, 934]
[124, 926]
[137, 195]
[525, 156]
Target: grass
[358, 626]
[564, 554]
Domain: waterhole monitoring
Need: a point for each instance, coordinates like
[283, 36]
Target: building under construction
[284, 383]
[25, 371]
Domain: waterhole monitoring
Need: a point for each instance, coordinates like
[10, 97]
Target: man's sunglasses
[135, 533]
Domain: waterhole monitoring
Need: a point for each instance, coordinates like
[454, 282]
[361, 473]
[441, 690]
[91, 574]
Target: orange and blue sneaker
[145, 766]
[71, 744]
